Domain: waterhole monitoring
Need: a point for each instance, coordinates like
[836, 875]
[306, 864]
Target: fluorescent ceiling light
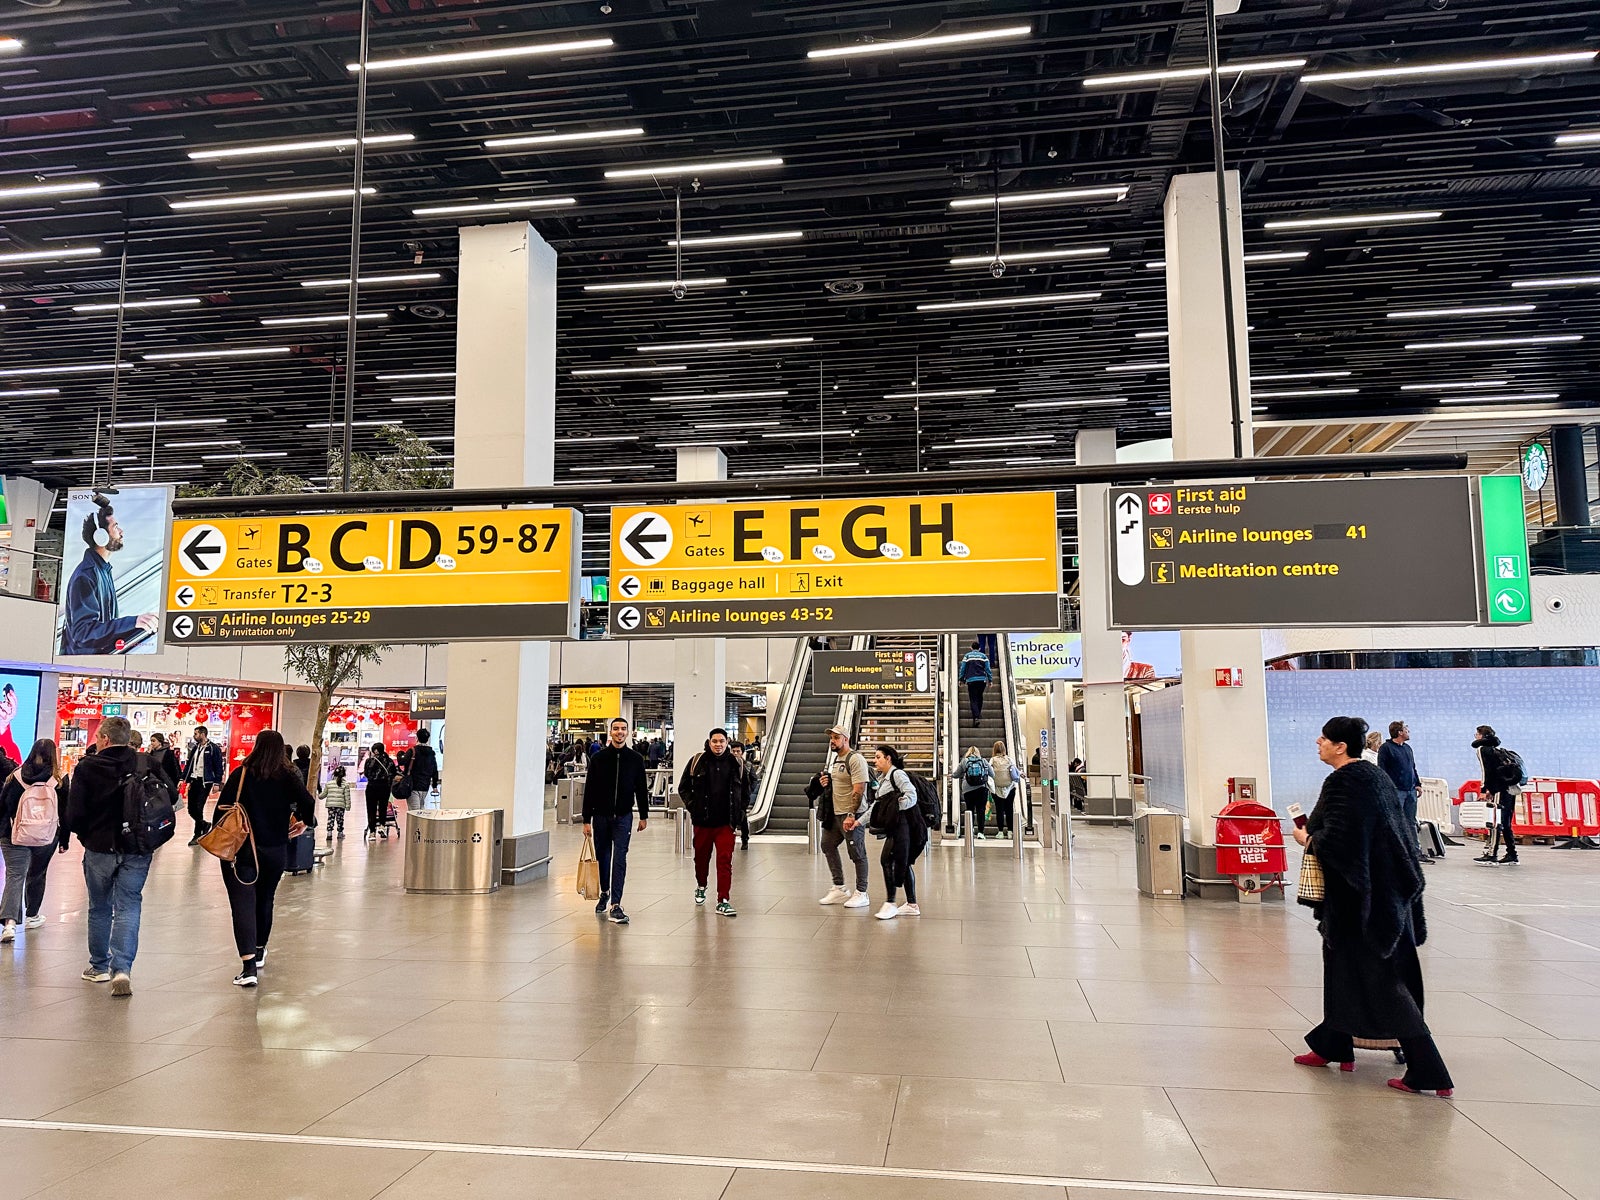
[695, 168]
[9, 45]
[1153, 333]
[1009, 301]
[591, 371]
[19, 393]
[736, 425]
[362, 424]
[491, 54]
[573, 440]
[631, 467]
[1296, 393]
[722, 396]
[338, 319]
[739, 239]
[1134, 367]
[1018, 256]
[1588, 137]
[410, 375]
[1441, 387]
[330, 143]
[238, 352]
[79, 369]
[718, 442]
[1334, 221]
[72, 462]
[65, 187]
[1500, 398]
[23, 256]
[1544, 339]
[812, 433]
[244, 454]
[655, 285]
[1071, 403]
[738, 344]
[421, 399]
[202, 445]
[1011, 440]
[1265, 66]
[1114, 192]
[1299, 375]
[1482, 310]
[940, 395]
[154, 302]
[445, 210]
[263, 199]
[1468, 66]
[404, 277]
[171, 421]
[1521, 416]
[174, 467]
[1263, 256]
[560, 139]
[932, 42]
[1560, 281]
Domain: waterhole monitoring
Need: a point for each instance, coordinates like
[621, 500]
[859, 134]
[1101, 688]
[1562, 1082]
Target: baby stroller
[390, 821]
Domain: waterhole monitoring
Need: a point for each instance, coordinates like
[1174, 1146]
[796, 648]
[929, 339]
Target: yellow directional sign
[881, 565]
[376, 577]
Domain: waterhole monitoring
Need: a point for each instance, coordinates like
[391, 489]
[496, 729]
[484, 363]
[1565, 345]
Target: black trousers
[1425, 1069]
[975, 697]
[1002, 812]
[377, 797]
[251, 901]
[896, 863]
[977, 803]
[196, 794]
[1506, 835]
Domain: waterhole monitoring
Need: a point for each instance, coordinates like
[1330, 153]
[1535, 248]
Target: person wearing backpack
[976, 776]
[976, 671]
[379, 772]
[1503, 777]
[421, 767]
[847, 777]
[1003, 775]
[897, 819]
[31, 801]
[117, 848]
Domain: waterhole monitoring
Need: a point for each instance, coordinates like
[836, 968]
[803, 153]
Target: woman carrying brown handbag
[268, 789]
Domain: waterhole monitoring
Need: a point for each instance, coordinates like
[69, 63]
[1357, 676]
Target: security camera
[1555, 604]
[997, 268]
[679, 291]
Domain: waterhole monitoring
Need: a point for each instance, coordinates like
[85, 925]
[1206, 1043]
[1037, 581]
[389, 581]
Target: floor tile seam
[398, 1028]
[1534, 928]
[823, 1045]
[1524, 1020]
[192, 1051]
[1199, 1150]
[99, 1164]
[398, 1071]
[1509, 1149]
[650, 1069]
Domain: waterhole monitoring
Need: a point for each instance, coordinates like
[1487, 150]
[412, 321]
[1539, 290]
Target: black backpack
[927, 800]
[1511, 764]
[149, 818]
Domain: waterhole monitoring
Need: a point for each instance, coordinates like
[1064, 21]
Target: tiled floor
[1041, 1031]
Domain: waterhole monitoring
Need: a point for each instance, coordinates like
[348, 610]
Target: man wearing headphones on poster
[92, 625]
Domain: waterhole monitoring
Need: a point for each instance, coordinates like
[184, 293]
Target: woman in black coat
[269, 787]
[1371, 918]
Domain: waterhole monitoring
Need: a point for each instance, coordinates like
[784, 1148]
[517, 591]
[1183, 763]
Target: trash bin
[1158, 853]
[569, 799]
[453, 850]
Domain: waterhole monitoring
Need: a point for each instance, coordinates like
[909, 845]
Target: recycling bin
[1158, 853]
[453, 851]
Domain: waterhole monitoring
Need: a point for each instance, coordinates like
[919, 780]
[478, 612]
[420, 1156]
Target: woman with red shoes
[1370, 918]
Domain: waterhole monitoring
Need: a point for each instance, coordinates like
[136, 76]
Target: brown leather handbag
[227, 837]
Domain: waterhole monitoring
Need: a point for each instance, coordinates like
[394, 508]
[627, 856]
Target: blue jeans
[116, 893]
[611, 838]
[1408, 809]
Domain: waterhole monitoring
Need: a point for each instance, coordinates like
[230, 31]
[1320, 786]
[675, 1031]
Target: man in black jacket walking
[714, 789]
[614, 787]
[115, 879]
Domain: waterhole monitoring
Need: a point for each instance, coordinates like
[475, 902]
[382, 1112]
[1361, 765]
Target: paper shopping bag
[588, 870]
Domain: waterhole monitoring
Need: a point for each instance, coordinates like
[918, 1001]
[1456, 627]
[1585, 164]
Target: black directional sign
[1395, 551]
[847, 672]
[203, 549]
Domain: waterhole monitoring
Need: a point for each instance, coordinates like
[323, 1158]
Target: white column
[498, 697]
[297, 717]
[1105, 703]
[699, 665]
[1224, 729]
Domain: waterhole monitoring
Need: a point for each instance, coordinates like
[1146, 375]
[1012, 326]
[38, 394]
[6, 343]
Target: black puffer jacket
[615, 785]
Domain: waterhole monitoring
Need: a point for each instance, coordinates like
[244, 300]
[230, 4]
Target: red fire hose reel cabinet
[1249, 840]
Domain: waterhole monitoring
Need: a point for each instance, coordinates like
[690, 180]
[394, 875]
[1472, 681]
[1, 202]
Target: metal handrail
[1016, 740]
[948, 700]
[780, 725]
[36, 576]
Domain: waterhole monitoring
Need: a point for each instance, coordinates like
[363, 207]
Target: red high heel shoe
[1399, 1085]
[1316, 1060]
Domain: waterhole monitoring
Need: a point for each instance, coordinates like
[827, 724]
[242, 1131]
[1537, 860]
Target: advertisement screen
[115, 552]
[19, 712]
[1146, 654]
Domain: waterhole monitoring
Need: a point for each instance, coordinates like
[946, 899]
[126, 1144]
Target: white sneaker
[836, 895]
[910, 910]
[33, 923]
[9, 933]
[980, 837]
[887, 913]
[858, 900]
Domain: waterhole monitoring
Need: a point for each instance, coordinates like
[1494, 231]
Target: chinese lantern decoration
[351, 724]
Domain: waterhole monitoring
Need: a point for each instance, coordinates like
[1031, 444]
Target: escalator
[999, 721]
[807, 754]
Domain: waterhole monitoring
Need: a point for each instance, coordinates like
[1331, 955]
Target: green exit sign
[1505, 550]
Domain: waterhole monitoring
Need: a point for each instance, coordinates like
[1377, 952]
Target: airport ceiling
[878, 145]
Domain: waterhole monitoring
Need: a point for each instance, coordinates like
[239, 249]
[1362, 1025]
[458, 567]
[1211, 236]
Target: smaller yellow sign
[592, 703]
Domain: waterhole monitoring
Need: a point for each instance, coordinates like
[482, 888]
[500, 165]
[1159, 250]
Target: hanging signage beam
[376, 577]
[887, 564]
[910, 483]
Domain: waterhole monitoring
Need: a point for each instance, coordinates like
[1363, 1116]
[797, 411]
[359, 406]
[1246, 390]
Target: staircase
[806, 755]
[905, 722]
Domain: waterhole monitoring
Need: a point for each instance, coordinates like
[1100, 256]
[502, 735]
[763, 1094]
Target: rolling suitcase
[302, 853]
[1432, 841]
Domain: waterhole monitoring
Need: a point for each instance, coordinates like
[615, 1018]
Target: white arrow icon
[628, 618]
[628, 587]
[182, 626]
[1508, 602]
[184, 596]
[1127, 520]
[645, 538]
[202, 550]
